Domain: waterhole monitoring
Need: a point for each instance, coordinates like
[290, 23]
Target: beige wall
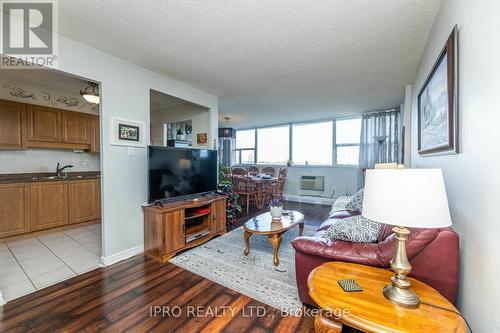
[125, 94]
[472, 177]
[339, 181]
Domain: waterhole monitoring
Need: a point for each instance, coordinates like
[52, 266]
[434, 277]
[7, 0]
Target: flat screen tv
[177, 173]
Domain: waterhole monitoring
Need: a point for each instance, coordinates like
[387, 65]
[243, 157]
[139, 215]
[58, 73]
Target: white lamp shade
[91, 98]
[407, 198]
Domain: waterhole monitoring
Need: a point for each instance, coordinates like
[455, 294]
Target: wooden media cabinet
[179, 225]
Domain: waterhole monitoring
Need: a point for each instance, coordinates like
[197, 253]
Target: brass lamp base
[402, 297]
[399, 292]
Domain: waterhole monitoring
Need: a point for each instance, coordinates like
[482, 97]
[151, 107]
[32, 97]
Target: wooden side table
[369, 310]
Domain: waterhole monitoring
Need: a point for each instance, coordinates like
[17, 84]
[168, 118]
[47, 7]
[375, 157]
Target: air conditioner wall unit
[312, 183]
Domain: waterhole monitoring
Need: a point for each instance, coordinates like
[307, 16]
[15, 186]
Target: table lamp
[413, 198]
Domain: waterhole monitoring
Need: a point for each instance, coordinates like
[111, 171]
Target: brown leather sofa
[433, 255]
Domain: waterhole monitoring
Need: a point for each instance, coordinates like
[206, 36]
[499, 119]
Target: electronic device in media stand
[197, 235]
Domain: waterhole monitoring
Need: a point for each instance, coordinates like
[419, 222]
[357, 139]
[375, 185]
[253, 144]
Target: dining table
[260, 182]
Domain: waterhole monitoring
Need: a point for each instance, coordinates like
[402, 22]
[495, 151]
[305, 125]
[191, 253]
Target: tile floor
[35, 263]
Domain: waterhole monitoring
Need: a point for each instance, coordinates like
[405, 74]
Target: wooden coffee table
[369, 310]
[265, 225]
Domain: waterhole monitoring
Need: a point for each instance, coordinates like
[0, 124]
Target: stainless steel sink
[54, 177]
[69, 177]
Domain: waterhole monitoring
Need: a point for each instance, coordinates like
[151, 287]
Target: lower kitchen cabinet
[84, 200]
[14, 209]
[49, 204]
[29, 207]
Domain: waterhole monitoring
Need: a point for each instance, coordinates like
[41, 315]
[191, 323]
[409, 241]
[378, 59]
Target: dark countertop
[12, 178]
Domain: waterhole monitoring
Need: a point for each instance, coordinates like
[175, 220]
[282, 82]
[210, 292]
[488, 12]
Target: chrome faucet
[59, 169]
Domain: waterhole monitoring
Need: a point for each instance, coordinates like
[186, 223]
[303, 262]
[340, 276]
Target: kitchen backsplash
[45, 160]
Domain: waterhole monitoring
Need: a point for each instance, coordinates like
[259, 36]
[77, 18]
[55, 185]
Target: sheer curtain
[379, 141]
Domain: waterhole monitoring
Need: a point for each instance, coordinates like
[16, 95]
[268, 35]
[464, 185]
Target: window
[312, 144]
[245, 147]
[334, 142]
[273, 145]
[347, 136]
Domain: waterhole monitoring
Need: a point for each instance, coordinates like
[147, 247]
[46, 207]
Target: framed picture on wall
[201, 138]
[438, 103]
[126, 132]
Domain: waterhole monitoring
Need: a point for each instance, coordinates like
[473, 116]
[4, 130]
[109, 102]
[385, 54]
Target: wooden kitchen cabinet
[84, 200]
[48, 204]
[14, 209]
[25, 126]
[43, 124]
[95, 145]
[76, 127]
[12, 125]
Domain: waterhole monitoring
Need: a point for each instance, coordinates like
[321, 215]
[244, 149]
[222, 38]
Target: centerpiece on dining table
[276, 209]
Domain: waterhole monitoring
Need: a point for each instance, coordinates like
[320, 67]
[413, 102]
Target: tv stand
[178, 225]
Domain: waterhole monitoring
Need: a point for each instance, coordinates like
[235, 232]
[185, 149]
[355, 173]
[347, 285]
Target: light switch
[131, 151]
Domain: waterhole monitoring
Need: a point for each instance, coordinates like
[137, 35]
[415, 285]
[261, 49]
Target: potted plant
[276, 209]
[232, 205]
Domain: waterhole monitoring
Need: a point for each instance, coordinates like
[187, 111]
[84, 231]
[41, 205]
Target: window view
[312, 144]
[245, 139]
[247, 156]
[347, 138]
[245, 146]
[273, 145]
[347, 155]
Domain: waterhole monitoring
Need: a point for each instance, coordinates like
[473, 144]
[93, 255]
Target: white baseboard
[114, 258]
[2, 301]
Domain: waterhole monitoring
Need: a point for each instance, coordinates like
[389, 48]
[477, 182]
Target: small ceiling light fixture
[91, 93]
[227, 132]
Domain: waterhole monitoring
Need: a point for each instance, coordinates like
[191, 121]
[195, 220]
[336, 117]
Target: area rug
[222, 261]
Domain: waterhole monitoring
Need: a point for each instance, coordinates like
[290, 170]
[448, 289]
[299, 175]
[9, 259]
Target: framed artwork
[438, 103]
[202, 138]
[127, 133]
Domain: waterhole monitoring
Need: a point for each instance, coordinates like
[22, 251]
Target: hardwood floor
[141, 295]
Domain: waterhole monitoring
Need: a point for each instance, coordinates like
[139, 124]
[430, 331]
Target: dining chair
[247, 194]
[283, 172]
[238, 171]
[270, 189]
[280, 185]
[253, 170]
[269, 170]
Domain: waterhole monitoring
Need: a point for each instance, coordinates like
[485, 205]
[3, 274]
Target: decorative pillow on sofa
[355, 229]
[356, 202]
